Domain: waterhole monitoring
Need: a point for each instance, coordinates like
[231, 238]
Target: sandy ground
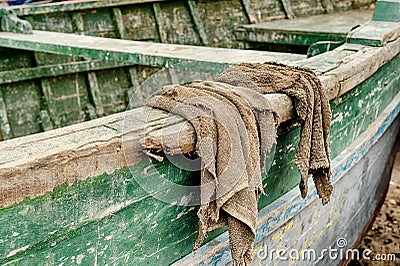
[383, 238]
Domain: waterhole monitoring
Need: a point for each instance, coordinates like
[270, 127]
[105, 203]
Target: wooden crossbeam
[18, 75]
[305, 31]
[137, 52]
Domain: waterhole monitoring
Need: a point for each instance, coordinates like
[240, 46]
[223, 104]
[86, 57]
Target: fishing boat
[77, 187]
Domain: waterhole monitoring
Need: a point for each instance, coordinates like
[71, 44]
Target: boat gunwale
[337, 80]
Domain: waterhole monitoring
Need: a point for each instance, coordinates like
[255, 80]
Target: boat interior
[79, 88]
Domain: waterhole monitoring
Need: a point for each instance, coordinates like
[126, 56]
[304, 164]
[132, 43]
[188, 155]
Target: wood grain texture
[119, 23]
[113, 87]
[375, 33]
[268, 10]
[140, 23]
[287, 8]
[220, 18]
[22, 107]
[6, 132]
[248, 9]
[110, 142]
[76, 6]
[103, 218]
[306, 31]
[342, 63]
[94, 90]
[136, 52]
[52, 70]
[87, 214]
[210, 23]
[197, 22]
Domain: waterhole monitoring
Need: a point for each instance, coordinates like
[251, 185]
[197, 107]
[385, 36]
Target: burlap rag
[235, 129]
[312, 109]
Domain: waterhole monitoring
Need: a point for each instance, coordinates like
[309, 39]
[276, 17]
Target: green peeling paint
[387, 10]
[56, 70]
[111, 219]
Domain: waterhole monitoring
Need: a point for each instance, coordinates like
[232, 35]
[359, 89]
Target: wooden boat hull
[110, 219]
[71, 195]
[62, 90]
[361, 175]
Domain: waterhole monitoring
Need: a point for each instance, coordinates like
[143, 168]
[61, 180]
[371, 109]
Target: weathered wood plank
[57, 70]
[68, 90]
[45, 120]
[354, 111]
[305, 31]
[268, 10]
[78, 23]
[58, 22]
[353, 4]
[136, 52]
[114, 85]
[197, 21]
[350, 75]
[95, 93]
[5, 129]
[119, 22]
[159, 21]
[97, 148]
[138, 19]
[126, 200]
[327, 5]
[176, 24]
[107, 141]
[49, 102]
[375, 33]
[347, 74]
[303, 8]
[109, 144]
[23, 104]
[12, 59]
[75, 6]
[220, 18]
[134, 77]
[288, 9]
[387, 10]
[129, 202]
[99, 23]
[248, 8]
[140, 23]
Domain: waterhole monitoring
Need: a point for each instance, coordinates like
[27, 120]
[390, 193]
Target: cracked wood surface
[91, 148]
[306, 30]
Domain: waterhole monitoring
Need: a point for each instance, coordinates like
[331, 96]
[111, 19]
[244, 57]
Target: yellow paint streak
[320, 234]
[281, 231]
[292, 260]
[279, 235]
[338, 213]
[316, 216]
[336, 217]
